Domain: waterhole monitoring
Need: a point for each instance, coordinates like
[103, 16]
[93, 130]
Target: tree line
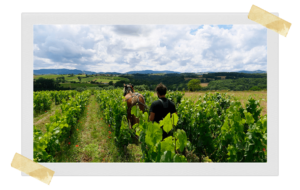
[234, 75]
[46, 84]
[240, 84]
[172, 81]
[239, 81]
[228, 75]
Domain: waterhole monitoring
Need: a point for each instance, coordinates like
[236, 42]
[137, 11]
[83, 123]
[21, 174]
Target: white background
[271, 168]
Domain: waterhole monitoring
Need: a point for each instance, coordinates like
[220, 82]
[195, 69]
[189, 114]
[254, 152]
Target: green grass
[97, 79]
[120, 78]
[107, 77]
[83, 79]
[55, 76]
[76, 85]
[41, 119]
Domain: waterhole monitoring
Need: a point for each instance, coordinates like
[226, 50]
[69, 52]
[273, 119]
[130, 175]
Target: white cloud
[125, 48]
[35, 47]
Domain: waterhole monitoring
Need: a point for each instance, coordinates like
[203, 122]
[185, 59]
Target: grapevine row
[154, 149]
[59, 129]
[42, 100]
[217, 127]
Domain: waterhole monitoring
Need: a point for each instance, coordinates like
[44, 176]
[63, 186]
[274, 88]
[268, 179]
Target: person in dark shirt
[161, 107]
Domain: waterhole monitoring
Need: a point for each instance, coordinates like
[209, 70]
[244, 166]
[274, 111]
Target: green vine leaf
[181, 139]
[167, 123]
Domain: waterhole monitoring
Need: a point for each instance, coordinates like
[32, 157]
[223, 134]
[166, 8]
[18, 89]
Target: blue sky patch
[193, 31]
[227, 27]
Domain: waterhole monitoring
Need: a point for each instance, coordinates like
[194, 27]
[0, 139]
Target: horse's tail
[142, 103]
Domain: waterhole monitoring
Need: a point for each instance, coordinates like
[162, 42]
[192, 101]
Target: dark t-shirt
[161, 108]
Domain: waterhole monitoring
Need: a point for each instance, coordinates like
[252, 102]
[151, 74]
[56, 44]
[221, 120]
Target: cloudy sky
[123, 48]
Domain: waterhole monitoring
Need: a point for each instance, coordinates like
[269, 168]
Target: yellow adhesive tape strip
[269, 20]
[31, 168]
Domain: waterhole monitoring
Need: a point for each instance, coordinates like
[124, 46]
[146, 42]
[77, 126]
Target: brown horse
[133, 99]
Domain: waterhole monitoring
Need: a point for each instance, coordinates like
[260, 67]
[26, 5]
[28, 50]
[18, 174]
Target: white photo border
[271, 168]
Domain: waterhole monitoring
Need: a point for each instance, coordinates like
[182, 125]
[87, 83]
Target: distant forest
[240, 84]
[233, 81]
[172, 81]
[228, 75]
[216, 81]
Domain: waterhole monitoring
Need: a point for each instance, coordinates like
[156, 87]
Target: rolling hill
[76, 71]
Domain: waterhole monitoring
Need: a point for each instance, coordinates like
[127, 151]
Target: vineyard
[91, 126]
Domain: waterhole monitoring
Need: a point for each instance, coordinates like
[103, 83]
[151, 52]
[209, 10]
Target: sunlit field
[204, 84]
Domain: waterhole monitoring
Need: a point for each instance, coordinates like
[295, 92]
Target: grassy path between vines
[41, 119]
[91, 141]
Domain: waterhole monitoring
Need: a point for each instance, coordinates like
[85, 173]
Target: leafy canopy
[194, 84]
